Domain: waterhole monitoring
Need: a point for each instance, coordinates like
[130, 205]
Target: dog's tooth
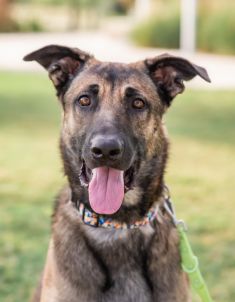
[84, 184]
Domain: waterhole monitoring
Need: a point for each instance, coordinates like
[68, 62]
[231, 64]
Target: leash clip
[189, 261]
[168, 206]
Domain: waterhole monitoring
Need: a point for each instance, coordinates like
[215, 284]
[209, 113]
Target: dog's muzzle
[108, 171]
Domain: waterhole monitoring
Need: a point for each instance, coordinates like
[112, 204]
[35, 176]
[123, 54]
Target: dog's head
[113, 140]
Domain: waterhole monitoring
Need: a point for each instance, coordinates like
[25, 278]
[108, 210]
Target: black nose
[106, 147]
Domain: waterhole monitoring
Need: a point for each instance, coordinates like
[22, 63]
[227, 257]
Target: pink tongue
[106, 190]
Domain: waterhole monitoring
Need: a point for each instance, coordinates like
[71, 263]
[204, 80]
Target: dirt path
[109, 47]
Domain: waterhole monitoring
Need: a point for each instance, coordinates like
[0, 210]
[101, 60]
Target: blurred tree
[79, 10]
[74, 14]
[85, 13]
[4, 12]
[7, 24]
[122, 6]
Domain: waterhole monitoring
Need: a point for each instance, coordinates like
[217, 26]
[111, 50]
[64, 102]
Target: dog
[111, 239]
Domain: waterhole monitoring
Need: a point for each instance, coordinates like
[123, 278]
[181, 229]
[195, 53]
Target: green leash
[190, 265]
[189, 261]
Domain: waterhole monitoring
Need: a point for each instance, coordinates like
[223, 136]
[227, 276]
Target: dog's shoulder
[62, 198]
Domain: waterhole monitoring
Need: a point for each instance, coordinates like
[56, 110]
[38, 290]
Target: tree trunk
[4, 11]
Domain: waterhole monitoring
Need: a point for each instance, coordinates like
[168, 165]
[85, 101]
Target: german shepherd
[110, 239]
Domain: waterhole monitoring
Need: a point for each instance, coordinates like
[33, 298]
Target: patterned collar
[96, 220]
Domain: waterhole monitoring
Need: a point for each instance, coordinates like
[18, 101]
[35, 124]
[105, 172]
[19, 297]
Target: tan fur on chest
[54, 286]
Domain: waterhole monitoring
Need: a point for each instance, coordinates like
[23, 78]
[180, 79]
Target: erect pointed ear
[62, 63]
[169, 72]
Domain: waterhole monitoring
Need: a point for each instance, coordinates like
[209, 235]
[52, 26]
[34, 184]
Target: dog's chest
[111, 264]
[124, 253]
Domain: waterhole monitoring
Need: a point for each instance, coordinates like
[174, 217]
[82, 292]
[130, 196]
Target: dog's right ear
[62, 63]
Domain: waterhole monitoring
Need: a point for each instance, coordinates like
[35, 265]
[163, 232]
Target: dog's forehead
[113, 73]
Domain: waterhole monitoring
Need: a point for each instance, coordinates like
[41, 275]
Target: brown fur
[99, 264]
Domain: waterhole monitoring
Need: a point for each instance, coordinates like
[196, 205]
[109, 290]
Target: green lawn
[200, 174]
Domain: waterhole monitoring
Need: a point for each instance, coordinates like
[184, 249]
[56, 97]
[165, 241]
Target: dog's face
[113, 141]
[113, 128]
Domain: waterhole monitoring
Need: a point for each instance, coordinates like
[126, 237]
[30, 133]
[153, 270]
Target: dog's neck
[132, 218]
[128, 213]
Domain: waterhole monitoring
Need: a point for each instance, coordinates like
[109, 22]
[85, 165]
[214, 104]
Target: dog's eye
[84, 101]
[138, 104]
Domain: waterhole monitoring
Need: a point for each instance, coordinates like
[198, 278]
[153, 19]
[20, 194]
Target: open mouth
[106, 187]
[86, 173]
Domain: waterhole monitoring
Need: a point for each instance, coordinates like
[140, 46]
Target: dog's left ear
[62, 63]
[169, 72]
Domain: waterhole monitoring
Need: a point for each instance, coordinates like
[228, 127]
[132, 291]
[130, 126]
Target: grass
[200, 174]
[30, 176]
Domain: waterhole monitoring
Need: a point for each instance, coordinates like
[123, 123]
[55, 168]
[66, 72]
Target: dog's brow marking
[130, 91]
[94, 88]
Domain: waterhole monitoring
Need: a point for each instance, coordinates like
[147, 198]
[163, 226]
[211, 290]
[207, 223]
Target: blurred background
[201, 123]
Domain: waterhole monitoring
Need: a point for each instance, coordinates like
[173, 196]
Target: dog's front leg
[170, 283]
[49, 291]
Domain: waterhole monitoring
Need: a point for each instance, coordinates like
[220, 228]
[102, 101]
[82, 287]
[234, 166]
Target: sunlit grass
[200, 174]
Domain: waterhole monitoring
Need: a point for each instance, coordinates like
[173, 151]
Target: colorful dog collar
[95, 220]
